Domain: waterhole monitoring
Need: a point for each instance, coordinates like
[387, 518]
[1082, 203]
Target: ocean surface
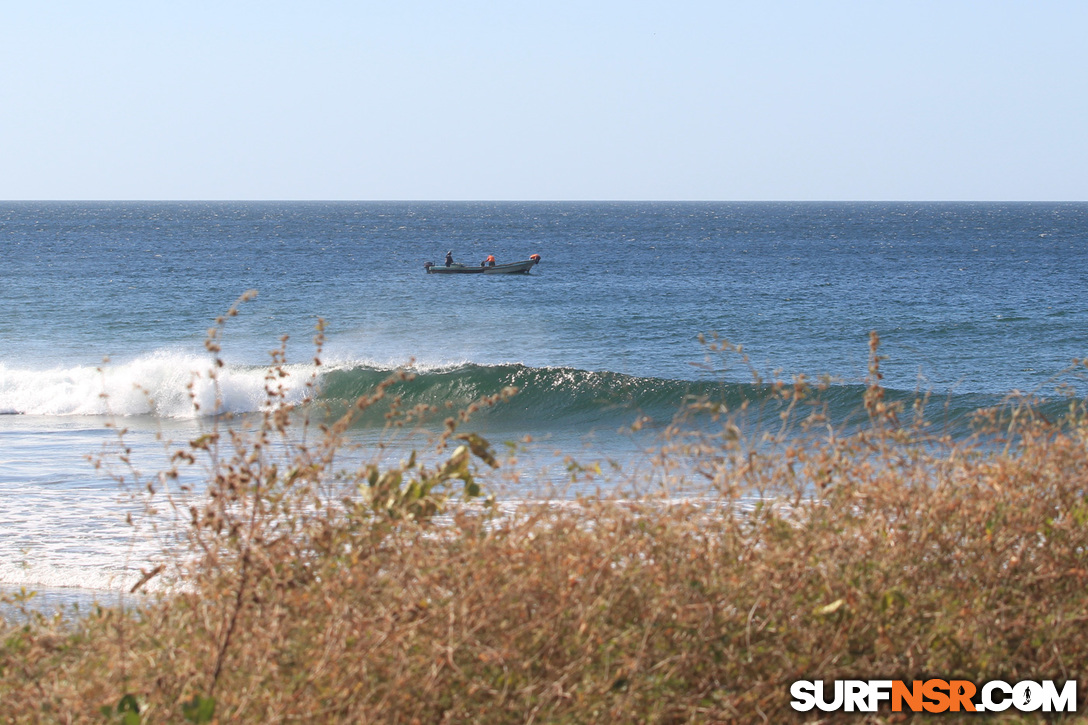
[971, 301]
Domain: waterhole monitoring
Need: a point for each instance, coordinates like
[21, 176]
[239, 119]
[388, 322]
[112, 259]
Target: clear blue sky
[410, 99]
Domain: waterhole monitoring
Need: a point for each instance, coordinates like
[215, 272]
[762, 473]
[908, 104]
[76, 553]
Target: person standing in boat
[491, 260]
[449, 258]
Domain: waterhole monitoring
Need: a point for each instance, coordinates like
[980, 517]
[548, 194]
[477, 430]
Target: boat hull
[512, 268]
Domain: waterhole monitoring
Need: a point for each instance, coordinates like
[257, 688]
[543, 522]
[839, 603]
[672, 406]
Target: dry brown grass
[319, 596]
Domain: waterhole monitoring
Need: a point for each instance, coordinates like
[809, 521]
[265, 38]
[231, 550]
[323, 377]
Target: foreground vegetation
[399, 594]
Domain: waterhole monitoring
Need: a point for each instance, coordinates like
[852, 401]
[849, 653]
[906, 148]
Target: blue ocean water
[971, 301]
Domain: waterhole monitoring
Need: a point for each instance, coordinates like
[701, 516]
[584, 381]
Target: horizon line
[540, 201]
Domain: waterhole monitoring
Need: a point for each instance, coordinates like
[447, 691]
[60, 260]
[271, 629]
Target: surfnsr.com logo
[933, 696]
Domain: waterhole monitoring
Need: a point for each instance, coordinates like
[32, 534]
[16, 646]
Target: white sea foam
[68, 536]
[165, 384]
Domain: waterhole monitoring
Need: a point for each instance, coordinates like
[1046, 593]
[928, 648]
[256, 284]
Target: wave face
[552, 398]
[546, 396]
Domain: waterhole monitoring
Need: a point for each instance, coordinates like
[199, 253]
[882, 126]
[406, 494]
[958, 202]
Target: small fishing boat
[511, 268]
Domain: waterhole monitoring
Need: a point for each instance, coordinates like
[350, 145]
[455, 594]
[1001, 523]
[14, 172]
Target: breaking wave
[171, 385]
